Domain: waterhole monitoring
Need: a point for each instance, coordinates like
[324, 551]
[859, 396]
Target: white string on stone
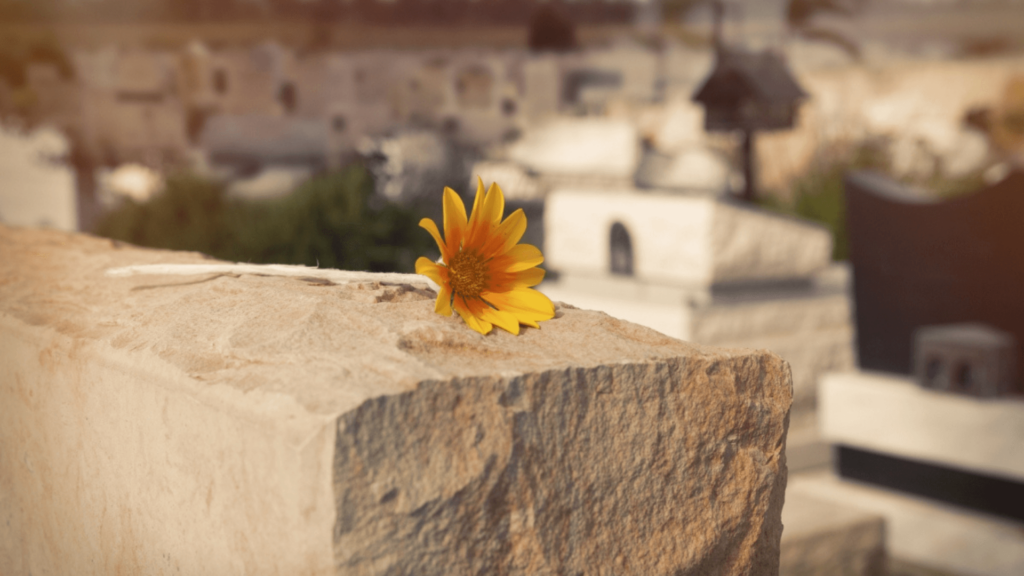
[336, 276]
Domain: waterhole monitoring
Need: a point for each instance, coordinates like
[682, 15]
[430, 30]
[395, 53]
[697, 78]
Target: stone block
[890, 414]
[233, 423]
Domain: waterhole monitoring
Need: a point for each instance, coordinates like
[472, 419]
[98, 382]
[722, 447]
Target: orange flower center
[467, 273]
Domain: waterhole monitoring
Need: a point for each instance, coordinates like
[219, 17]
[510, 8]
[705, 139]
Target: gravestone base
[809, 323]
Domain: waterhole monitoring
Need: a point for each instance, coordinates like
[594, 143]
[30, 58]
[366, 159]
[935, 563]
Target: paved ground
[902, 568]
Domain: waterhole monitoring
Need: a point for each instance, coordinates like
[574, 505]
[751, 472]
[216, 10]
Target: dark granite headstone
[918, 262]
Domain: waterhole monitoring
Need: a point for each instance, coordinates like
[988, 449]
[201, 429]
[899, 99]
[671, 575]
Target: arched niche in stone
[621, 250]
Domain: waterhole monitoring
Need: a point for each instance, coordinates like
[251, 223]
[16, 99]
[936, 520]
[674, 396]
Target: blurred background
[836, 180]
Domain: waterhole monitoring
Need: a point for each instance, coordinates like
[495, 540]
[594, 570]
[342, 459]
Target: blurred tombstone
[695, 169]
[55, 96]
[595, 151]
[920, 262]
[140, 117]
[474, 86]
[428, 91]
[409, 165]
[516, 182]
[969, 359]
[141, 76]
[246, 143]
[197, 79]
[542, 85]
[699, 267]
[636, 67]
[590, 89]
[250, 81]
[372, 79]
[37, 188]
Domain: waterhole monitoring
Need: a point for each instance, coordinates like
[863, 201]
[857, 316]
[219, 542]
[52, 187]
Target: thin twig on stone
[336, 276]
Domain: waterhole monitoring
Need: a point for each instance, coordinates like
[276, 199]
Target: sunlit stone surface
[244, 424]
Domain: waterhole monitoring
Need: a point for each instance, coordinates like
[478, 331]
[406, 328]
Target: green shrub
[819, 196]
[333, 221]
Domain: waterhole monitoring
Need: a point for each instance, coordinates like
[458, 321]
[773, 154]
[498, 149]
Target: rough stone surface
[241, 424]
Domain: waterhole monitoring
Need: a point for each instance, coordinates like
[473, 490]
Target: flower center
[467, 273]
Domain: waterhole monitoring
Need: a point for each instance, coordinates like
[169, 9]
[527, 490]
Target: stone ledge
[267, 425]
[890, 414]
[946, 539]
[826, 538]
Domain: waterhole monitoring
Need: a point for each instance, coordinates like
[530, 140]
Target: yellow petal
[428, 225]
[494, 205]
[530, 277]
[485, 218]
[519, 257]
[429, 269]
[500, 319]
[506, 235]
[478, 199]
[526, 304]
[439, 274]
[500, 282]
[443, 305]
[481, 326]
[454, 219]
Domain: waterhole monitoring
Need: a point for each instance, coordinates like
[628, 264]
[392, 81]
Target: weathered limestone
[242, 424]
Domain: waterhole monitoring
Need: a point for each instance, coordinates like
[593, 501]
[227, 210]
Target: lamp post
[746, 92]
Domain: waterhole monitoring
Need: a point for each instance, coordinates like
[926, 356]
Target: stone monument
[947, 274]
[919, 262]
[705, 269]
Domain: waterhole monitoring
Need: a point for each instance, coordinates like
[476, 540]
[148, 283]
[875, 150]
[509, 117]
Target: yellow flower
[484, 274]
